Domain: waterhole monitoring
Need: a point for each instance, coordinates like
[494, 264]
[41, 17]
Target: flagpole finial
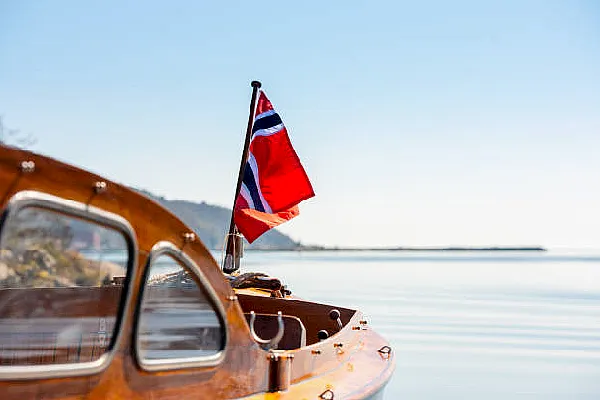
[256, 84]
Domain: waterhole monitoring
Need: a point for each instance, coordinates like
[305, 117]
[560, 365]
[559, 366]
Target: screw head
[100, 187]
[27, 166]
[189, 237]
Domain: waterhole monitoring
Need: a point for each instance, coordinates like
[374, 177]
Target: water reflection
[466, 326]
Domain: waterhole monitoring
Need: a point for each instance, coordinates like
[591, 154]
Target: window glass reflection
[58, 294]
[177, 319]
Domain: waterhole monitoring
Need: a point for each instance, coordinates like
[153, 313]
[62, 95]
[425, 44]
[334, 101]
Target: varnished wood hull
[349, 363]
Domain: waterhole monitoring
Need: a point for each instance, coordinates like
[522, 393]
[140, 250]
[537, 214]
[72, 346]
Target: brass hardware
[272, 343]
[385, 352]
[189, 237]
[322, 335]
[356, 328]
[100, 187]
[334, 315]
[315, 352]
[327, 395]
[27, 166]
[280, 371]
[234, 245]
[362, 322]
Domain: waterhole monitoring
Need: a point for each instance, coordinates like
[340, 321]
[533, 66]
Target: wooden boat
[104, 294]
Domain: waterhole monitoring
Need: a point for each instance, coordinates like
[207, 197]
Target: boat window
[60, 287]
[180, 321]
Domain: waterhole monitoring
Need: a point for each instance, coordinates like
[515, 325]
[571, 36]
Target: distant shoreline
[424, 249]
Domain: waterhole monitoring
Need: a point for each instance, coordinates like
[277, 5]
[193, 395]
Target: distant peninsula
[427, 248]
[210, 222]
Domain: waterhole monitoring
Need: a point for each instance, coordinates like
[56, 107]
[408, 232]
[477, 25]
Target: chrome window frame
[167, 248]
[88, 213]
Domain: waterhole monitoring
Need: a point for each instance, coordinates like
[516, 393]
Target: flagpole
[230, 261]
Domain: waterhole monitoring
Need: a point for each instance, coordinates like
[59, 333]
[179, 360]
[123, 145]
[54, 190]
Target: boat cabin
[104, 294]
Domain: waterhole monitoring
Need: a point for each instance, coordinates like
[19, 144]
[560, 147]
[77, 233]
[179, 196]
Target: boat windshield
[58, 300]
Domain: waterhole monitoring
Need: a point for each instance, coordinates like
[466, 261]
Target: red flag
[274, 181]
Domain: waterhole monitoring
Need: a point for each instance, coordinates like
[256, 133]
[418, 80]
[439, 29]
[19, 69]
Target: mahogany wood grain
[355, 373]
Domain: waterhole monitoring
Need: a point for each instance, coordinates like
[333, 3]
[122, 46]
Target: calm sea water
[466, 325]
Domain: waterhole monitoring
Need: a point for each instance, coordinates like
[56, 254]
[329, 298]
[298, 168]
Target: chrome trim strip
[169, 248]
[31, 198]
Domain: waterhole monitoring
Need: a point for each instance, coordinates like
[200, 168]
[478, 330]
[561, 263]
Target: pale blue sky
[419, 123]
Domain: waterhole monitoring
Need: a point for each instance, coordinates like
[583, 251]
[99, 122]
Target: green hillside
[211, 223]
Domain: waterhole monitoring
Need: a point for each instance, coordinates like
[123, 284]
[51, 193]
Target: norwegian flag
[274, 181]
